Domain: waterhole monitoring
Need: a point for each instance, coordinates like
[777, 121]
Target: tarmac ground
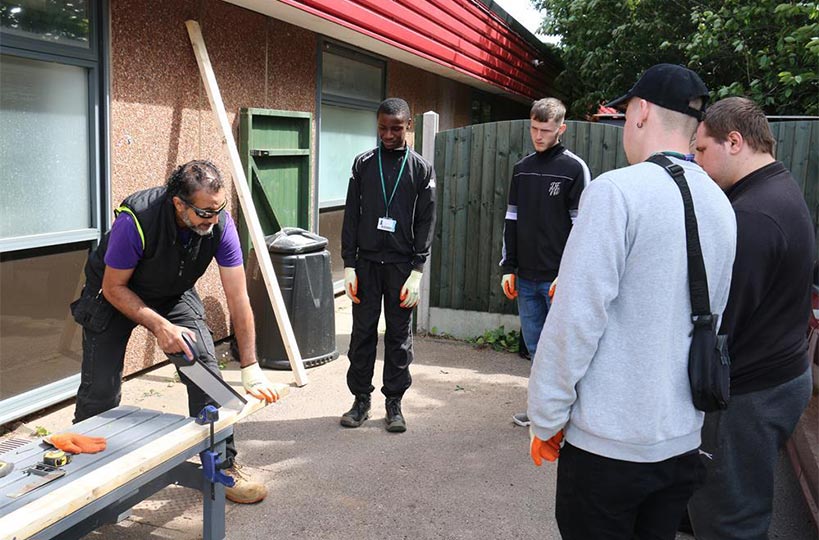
[461, 471]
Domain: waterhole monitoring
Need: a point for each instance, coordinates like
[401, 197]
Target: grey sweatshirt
[611, 364]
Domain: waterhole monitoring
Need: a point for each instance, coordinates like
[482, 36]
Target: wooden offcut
[246, 202]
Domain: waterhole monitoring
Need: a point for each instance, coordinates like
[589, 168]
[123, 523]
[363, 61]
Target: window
[54, 21]
[44, 140]
[352, 87]
[52, 119]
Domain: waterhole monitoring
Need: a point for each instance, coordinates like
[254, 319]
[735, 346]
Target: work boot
[395, 420]
[244, 491]
[358, 413]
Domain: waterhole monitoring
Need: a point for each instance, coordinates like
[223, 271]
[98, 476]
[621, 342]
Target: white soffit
[295, 16]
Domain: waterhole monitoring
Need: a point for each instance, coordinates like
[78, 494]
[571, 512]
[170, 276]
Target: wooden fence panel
[487, 214]
[474, 165]
[496, 302]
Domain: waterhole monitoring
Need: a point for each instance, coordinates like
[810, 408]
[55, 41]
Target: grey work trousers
[743, 443]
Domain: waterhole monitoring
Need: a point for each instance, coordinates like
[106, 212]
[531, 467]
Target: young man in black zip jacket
[765, 320]
[385, 241]
[543, 197]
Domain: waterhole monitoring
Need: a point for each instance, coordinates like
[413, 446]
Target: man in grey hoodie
[611, 370]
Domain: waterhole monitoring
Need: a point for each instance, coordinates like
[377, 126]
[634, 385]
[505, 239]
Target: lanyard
[686, 157]
[397, 179]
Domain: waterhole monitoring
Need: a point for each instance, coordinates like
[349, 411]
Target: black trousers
[610, 499]
[377, 281]
[103, 356]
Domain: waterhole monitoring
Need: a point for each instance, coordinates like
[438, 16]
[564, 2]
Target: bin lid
[292, 240]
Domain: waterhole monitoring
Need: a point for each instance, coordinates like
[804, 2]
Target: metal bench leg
[213, 517]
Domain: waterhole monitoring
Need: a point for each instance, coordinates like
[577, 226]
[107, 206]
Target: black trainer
[358, 413]
[395, 420]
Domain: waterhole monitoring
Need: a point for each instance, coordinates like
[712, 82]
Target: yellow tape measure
[56, 458]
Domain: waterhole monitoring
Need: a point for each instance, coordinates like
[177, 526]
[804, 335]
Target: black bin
[302, 265]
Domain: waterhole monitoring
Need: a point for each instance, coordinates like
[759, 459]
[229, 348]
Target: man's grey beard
[194, 228]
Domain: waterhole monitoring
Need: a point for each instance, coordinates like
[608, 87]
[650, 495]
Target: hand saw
[210, 382]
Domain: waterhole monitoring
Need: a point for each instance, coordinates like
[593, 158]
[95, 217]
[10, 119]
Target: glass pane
[39, 341]
[345, 77]
[345, 133]
[56, 21]
[43, 148]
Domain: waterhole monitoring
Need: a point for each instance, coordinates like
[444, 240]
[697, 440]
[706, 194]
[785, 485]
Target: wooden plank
[440, 186]
[463, 142]
[488, 178]
[569, 138]
[500, 199]
[609, 148]
[59, 503]
[582, 146]
[473, 236]
[811, 189]
[596, 138]
[447, 222]
[784, 141]
[800, 155]
[243, 191]
[622, 160]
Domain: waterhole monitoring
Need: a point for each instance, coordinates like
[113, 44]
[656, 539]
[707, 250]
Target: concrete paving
[460, 471]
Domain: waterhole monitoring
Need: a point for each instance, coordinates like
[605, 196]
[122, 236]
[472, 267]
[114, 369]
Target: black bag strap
[697, 279]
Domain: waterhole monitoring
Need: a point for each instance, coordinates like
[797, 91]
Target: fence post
[428, 131]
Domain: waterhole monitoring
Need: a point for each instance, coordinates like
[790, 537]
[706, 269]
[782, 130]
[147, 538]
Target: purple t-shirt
[125, 245]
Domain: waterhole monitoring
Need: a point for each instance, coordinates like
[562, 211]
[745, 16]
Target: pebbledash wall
[160, 115]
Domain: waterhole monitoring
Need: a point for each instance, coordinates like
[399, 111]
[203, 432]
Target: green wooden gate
[474, 165]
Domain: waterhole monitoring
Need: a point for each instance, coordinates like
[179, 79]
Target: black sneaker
[358, 413]
[395, 420]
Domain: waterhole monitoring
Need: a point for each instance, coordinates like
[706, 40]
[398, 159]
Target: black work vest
[167, 267]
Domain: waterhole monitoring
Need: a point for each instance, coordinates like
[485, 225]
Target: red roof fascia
[490, 51]
[495, 42]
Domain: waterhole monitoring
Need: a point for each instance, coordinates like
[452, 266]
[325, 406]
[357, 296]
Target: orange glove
[548, 450]
[77, 444]
[508, 284]
[552, 289]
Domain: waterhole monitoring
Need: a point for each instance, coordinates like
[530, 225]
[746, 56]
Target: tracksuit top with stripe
[543, 198]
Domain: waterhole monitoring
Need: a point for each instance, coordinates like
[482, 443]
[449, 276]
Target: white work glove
[257, 385]
[351, 285]
[410, 292]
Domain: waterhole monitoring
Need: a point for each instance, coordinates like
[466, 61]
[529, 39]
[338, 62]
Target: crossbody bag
[709, 366]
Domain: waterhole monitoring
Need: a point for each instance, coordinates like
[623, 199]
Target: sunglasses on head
[204, 213]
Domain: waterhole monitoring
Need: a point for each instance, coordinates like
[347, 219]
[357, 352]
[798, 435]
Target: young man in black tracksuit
[543, 197]
[765, 320]
[385, 241]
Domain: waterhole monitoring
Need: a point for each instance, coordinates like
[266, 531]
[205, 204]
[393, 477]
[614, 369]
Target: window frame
[95, 63]
[97, 59]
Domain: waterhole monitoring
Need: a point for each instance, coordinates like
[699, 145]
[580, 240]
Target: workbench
[147, 450]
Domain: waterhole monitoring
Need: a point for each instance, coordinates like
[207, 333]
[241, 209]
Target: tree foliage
[767, 50]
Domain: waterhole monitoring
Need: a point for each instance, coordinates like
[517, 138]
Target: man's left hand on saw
[257, 385]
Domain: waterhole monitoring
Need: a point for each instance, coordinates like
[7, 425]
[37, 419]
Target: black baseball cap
[671, 87]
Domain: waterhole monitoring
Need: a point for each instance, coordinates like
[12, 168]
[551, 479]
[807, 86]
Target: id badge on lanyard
[386, 223]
